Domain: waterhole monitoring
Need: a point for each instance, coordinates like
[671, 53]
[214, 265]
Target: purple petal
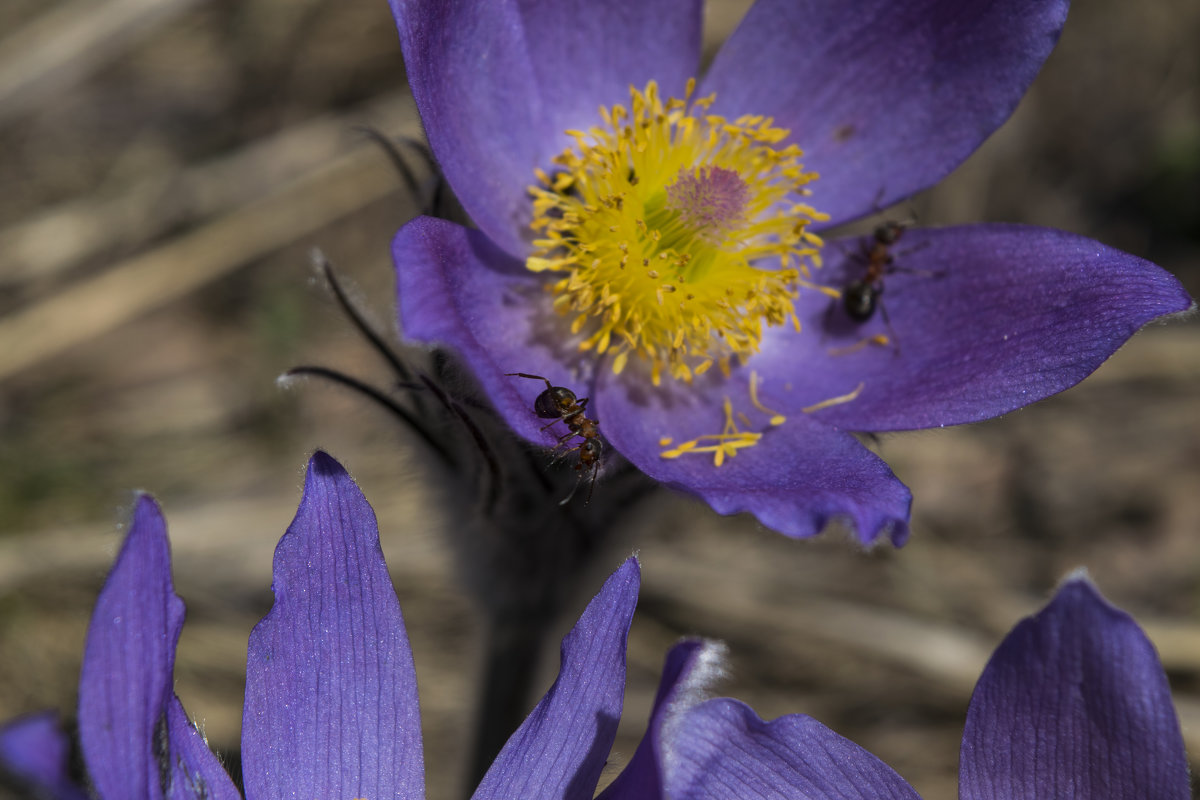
[983, 319]
[689, 669]
[797, 478]
[35, 750]
[195, 773]
[331, 695]
[456, 288]
[1074, 703]
[722, 750]
[884, 97]
[497, 84]
[560, 749]
[128, 661]
[130, 721]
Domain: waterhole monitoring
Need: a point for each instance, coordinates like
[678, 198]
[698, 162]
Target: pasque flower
[331, 697]
[1073, 704]
[655, 243]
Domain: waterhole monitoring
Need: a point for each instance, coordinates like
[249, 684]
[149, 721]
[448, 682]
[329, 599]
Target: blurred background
[165, 168]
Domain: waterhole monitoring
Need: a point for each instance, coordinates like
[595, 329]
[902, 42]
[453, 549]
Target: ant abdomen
[860, 299]
[554, 402]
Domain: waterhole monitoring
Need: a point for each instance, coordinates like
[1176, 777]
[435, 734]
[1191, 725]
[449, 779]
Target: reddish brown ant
[861, 297]
[559, 404]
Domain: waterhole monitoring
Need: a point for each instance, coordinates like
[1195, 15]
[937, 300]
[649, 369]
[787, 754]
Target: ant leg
[571, 493]
[887, 321]
[827, 322]
[579, 482]
[592, 484]
[875, 204]
[908, 270]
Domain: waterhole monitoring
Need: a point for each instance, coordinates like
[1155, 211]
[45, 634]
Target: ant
[559, 404]
[861, 297]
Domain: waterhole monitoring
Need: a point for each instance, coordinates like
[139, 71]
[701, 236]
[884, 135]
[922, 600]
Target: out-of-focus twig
[950, 657]
[91, 307]
[57, 239]
[63, 46]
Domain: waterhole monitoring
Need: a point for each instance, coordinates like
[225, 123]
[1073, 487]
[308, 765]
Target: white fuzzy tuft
[692, 691]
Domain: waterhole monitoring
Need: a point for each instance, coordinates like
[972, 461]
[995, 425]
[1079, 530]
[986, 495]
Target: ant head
[887, 233]
[554, 402]
[590, 450]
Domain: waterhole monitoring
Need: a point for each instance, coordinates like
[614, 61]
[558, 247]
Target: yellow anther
[775, 417]
[731, 439]
[725, 443]
[834, 401]
[619, 362]
[878, 339]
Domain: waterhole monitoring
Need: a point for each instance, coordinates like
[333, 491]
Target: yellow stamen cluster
[678, 235]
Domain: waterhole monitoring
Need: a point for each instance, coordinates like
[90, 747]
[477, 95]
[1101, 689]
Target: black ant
[559, 404]
[861, 297]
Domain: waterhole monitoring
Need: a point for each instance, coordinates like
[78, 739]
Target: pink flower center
[710, 200]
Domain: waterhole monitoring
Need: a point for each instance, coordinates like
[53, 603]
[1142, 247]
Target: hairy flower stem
[523, 563]
[509, 663]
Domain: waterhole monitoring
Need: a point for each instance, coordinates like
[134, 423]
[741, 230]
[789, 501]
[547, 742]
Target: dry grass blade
[89, 308]
[61, 237]
[63, 46]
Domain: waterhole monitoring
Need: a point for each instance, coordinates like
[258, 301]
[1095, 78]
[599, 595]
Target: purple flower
[34, 750]
[1074, 703]
[661, 256]
[331, 698]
